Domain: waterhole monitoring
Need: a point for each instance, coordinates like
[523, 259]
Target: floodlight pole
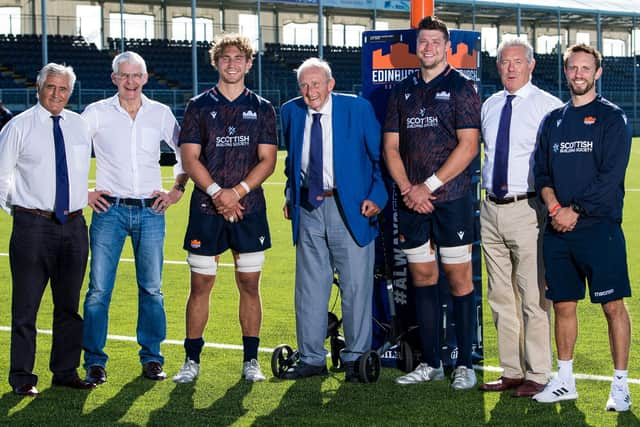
[599, 35]
[121, 26]
[559, 45]
[320, 50]
[194, 49]
[45, 47]
[259, 48]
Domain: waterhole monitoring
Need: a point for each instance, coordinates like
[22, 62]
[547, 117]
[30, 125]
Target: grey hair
[128, 57]
[515, 42]
[57, 70]
[314, 63]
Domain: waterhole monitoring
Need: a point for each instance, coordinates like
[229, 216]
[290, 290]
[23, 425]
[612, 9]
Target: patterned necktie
[314, 168]
[62, 176]
[501, 159]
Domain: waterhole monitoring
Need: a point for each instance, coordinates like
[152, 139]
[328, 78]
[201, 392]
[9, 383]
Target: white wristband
[433, 183]
[245, 186]
[213, 189]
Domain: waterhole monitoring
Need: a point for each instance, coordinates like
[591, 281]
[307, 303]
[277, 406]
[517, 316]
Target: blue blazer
[356, 161]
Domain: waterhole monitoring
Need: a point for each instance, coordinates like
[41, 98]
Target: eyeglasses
[127, 76]
[313, 85]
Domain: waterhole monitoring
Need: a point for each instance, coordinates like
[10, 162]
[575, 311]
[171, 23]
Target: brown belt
[47, 214]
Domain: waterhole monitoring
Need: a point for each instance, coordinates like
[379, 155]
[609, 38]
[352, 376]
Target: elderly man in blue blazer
[334, 193]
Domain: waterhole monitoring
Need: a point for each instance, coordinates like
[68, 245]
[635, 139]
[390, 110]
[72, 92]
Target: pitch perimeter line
[270, 350]
[221, 264]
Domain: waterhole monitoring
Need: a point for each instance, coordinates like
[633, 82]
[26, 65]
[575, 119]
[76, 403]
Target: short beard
[580, 92]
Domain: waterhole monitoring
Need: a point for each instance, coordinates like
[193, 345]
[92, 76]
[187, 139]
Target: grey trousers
[324, 245]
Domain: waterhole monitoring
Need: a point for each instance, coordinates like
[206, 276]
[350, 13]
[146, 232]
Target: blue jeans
[107, 235]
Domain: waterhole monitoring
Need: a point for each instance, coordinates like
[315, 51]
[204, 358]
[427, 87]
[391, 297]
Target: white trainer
[422, 373]
[188, 373]
[619, 398]
[251, 371]
[557, 390]
[463, 378]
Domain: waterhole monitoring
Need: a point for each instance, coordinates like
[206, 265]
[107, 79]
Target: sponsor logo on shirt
[589, 120]
[443, 96]
[423, 121]
[232, 140]
[568, 147]
[249, 115]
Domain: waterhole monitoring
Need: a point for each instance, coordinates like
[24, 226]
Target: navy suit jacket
[356, 161]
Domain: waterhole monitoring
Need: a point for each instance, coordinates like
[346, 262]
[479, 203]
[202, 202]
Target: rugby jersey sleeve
[268, 134]
[468, 107]
[541, 167]
[190, 130]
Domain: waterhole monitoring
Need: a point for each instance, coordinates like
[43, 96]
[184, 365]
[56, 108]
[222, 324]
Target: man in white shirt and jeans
[128, 200]
[44, 170]
[511, 220]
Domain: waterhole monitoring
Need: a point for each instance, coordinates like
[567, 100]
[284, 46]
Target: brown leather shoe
[73, 382]
[501, 384]
[153, 371]
[26, 390]
[528, 389]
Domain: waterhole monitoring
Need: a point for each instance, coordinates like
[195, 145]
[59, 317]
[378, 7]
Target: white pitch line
[165, 261]
[270, 350]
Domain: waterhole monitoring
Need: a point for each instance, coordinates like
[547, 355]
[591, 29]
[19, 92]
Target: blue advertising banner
[387, 58]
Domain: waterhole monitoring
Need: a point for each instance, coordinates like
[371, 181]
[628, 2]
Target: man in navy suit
[334, 193]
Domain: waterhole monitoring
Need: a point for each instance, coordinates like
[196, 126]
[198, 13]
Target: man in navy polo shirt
[229, 146]
[431, 136]
[579, 171]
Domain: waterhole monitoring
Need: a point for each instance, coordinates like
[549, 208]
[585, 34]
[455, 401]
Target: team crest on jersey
[195, 244]
[443, 96]
[407, 96]
[213, 114]
[589, 120]
[249, 115]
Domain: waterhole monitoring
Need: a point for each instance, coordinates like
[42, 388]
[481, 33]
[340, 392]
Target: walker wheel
[369, 367]
[282, 358]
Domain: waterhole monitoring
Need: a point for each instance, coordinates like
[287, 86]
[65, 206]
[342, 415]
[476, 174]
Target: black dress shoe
[73, 382]
[26, 390]
[304, 370]
[153, 371]
[96, 374]
[351, 372]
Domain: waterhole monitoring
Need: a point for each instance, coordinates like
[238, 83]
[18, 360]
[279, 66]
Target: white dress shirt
[28, 160]
[327, 144]
[127, 150]
[529, 107]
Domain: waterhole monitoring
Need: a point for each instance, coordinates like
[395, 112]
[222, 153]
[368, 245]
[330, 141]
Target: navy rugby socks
[427, 299]
[250, 346]
[464, 315]
[193, 348]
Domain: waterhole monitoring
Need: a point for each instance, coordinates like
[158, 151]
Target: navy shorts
[210, 235]
[596, 253]
[449, 225]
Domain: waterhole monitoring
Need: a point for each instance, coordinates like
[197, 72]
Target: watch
[179, 187]
[578, 209]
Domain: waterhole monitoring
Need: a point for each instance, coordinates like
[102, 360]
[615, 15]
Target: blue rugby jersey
[427, 116]
[583, 154]
[229, 133]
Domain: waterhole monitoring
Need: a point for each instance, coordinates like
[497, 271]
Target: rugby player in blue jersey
[431, 136]
[229, 145]
[579, 169]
